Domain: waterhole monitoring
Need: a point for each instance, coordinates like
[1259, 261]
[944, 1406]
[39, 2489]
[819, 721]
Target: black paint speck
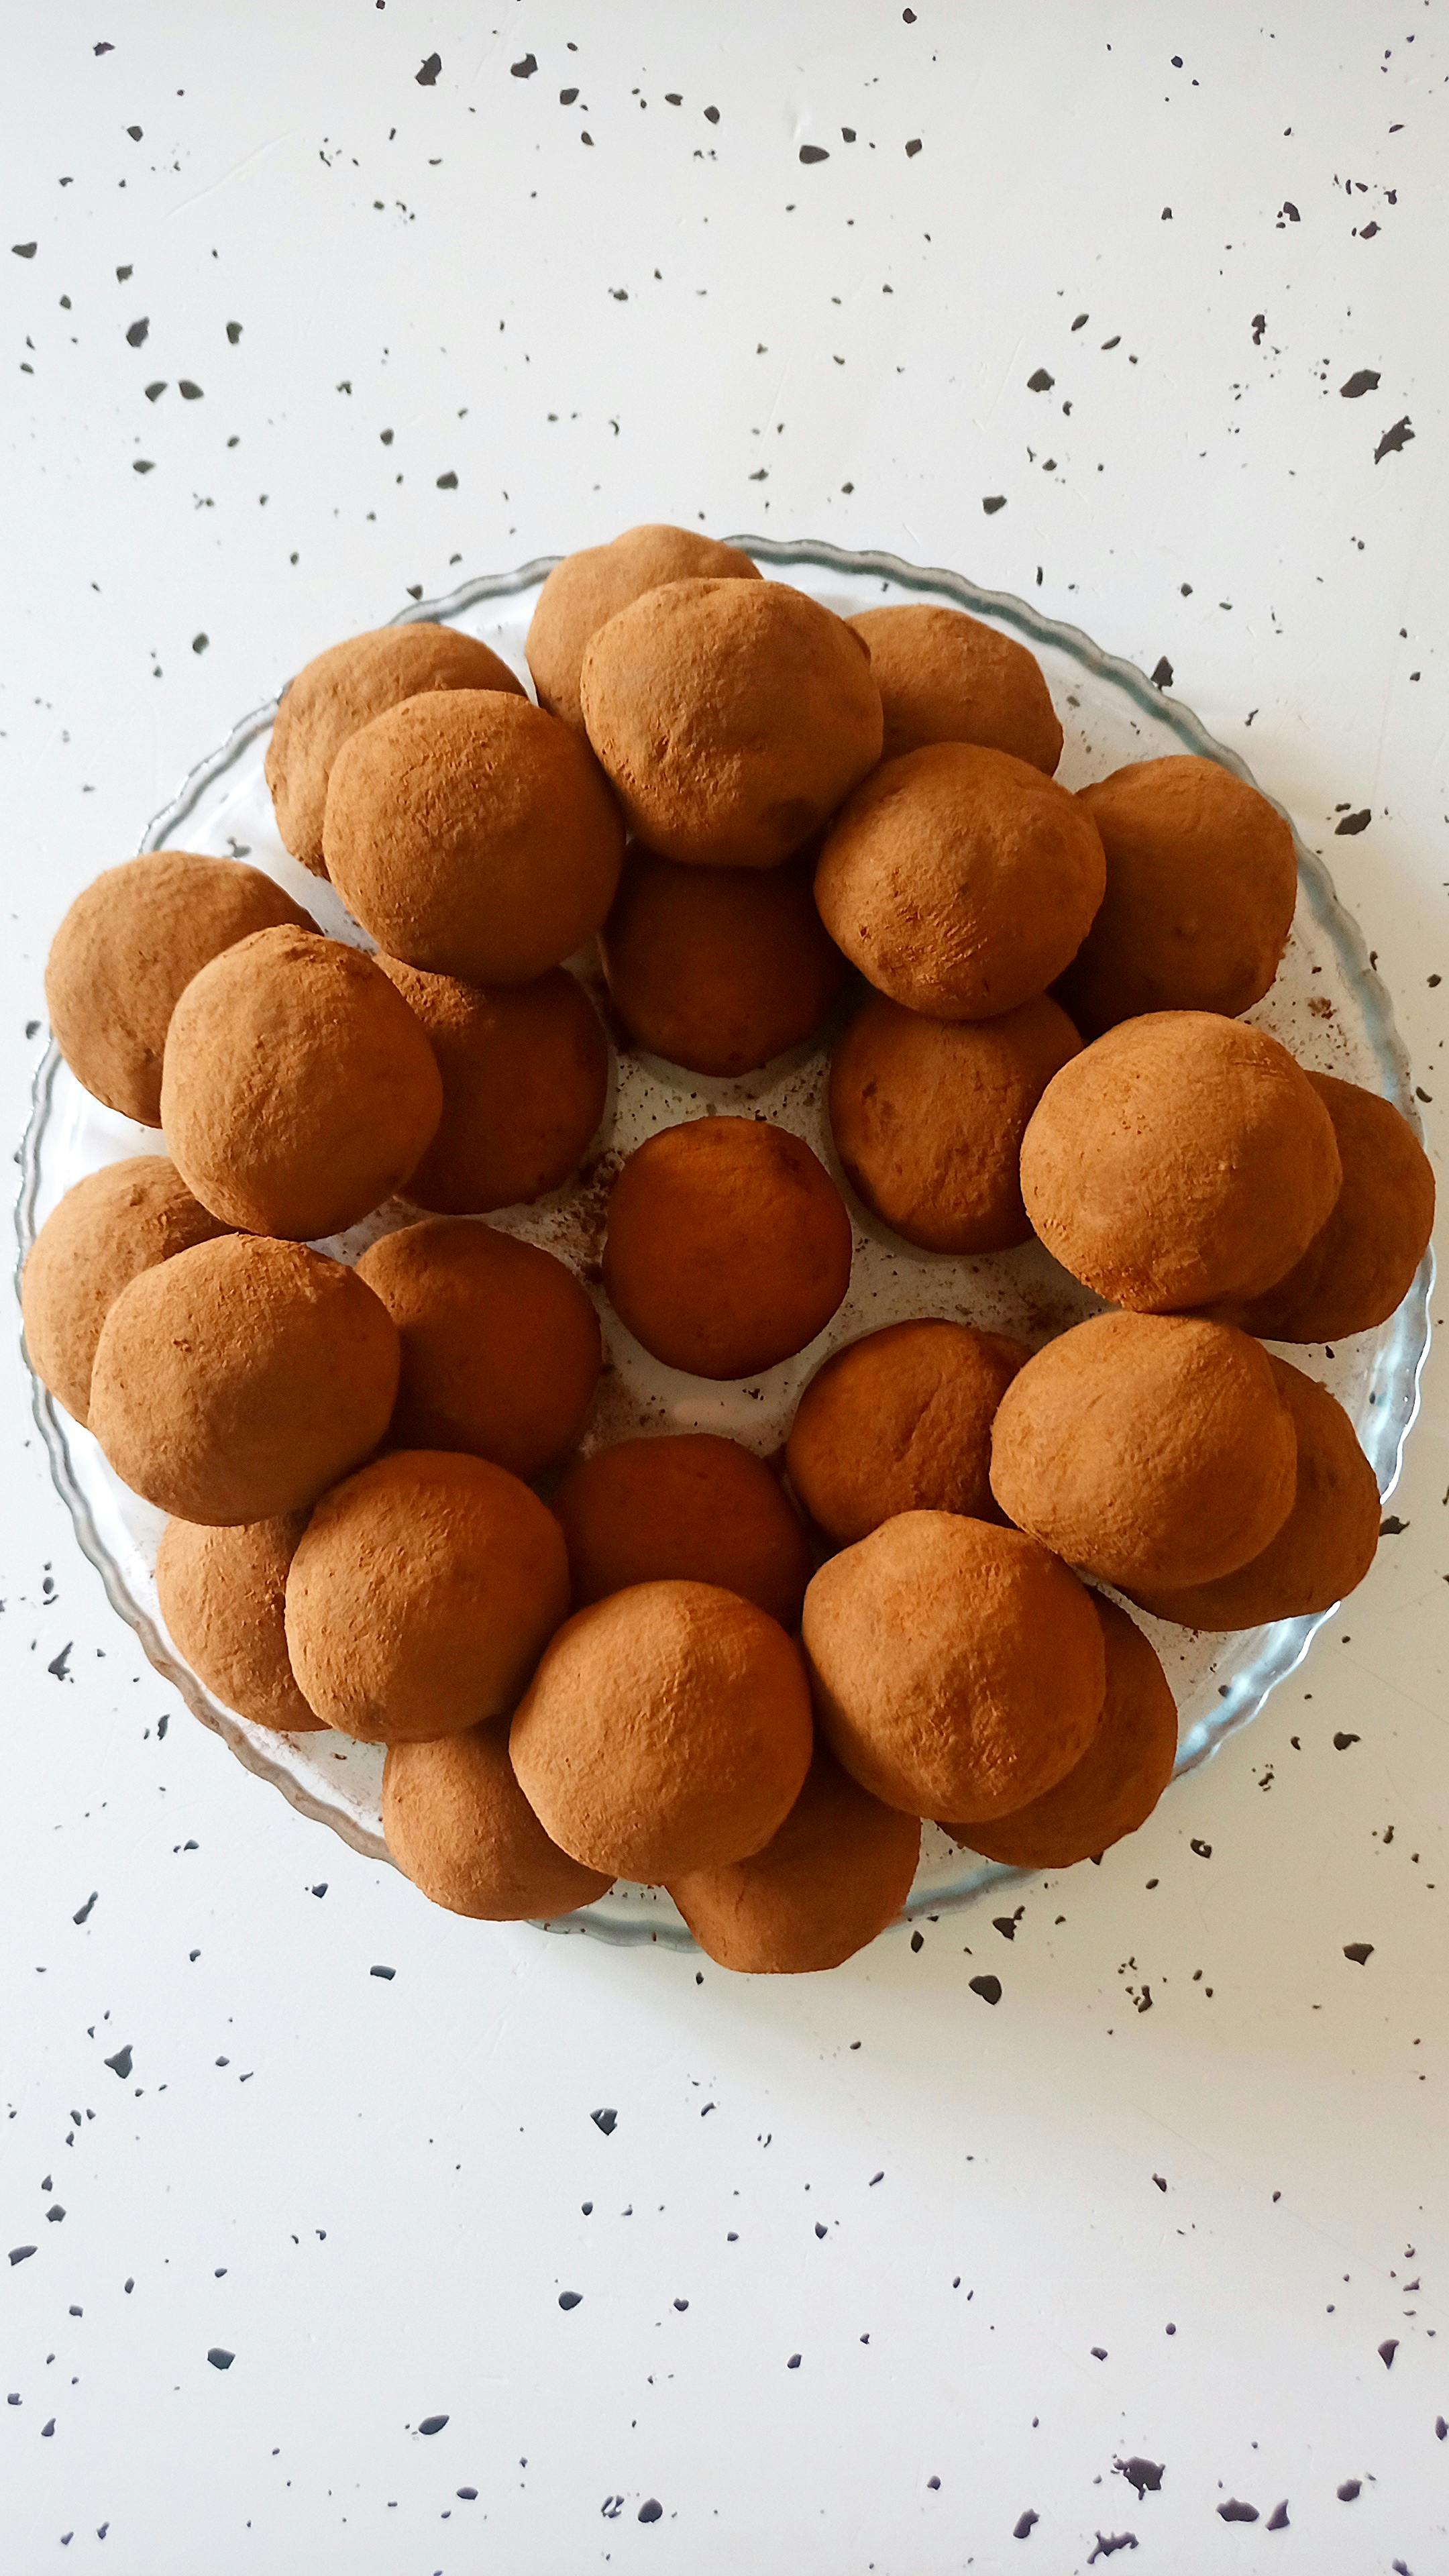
[432, 2423]
[1109, 2542]
[233, 332]
[1040, 382]
[1353, 823]
[24, 250]
[570, 2299]
[1236, 2511]
[219, 2359]
[1162, 676]
[1203, 1850]
[913, 147]
[1350, 2490]
[810, 152]
[188, 389]
[388, 1973]
[1278, 2518]
[1364, 380]
[1342, 1741]
[427, 73]
[1393, 440]
[58, 1663]
[988, 1988]
[993, 502]
[120, 2064]
[1387, 2350]
[199, 643]
[1021, 2529]
[604, 2120]
[1359, 1951]
[447, 482]
[651, 2510]
[526, 69]
[1144, 2475]
[918, 1940]
[20, 2254]
[794, 2361]
[84, 1914]
[466, 2495]
[137, 332]
[1393, 1527]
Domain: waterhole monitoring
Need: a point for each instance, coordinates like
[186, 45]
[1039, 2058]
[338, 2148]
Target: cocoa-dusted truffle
[223, 1595]
[1147, 1449]
[1201, 884]
[960, 881]
[946, 677]
[459, 1826]
[728, 1246]
[500, 1345]
[346, 687]
[928, 1117]
[1181, 1159]
[666, 1729]
[112, 1225]
[299, 1091]
[732, 716]
[525, 1072]
[687, 1507]
[901, 1422]
[719, 969]
[957, 1669]
[422, 1595]
[125, 953]
[583, 592]
[473, 835]
[837, 1872]
[239, 1379]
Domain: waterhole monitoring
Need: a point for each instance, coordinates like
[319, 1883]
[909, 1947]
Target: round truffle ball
[732, 717]
[901, 1422]
[422, 1595]
[1151, 1450]
[1181, 1159]
[837, 1872]
[345, 688]
[719, 969]
[728, 1246]
[583, 592]
[1201, 884]
[945, 677]
[928, 1117]
[459, 1826]
[111, 1226]
[525, 1072]
[125, 953]
[685, 1507]
[957, 1669]
[666, 1729]
[960, 881]
[223, 1595]
[501, 1348]
[473, 835]
[299, 1091]
[237, 1380]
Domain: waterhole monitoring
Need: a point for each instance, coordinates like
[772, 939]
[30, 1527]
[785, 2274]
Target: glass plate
[1327, 1005]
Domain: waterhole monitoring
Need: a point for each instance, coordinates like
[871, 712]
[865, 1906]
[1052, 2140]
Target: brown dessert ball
[1201, 884]
[125, 953]
[459, 1826]
[473, 835]
[583, 592]
[960, 881]
[299, 1091]
[686, 1507]
[111, 1226]
[928, 1117]
[732, 716]
[666, 1729]
[1181, 1159]
[422, 1595]
[719, 969]
[728, 1246]
[837, 1872]
[525, 1072]
[901, 1422]
[501, 1348]
[241, 1378]
[945, 677]
[345, 688]
[1147, 1449]
[223, 1596]
[957, 1669]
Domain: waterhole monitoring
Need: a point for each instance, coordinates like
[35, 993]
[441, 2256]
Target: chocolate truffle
[500, 1345]
[239, 1379]
[459, 1826]
[666, 1729]
[112, 1225]
[957, 1669]
[1147, 1449]
[945, 677]
[125, 953]
[422, 1595]
[1201, 883]
[473, 835]
[960, 881]
[719, 969]
[299, 1091]
[223, 1595]
[928, 1117]
[583, 592]
[732, 716]
[525, 1072]
[837, 1872]
[728, 1246]
[688, 1507]
[345, 688]
[901, 1422]
[1181, 1159]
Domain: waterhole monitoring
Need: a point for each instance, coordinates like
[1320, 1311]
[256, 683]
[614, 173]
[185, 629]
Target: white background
[1166, 2200]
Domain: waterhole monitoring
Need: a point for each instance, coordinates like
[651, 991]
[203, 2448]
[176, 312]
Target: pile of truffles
[666, 1658]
